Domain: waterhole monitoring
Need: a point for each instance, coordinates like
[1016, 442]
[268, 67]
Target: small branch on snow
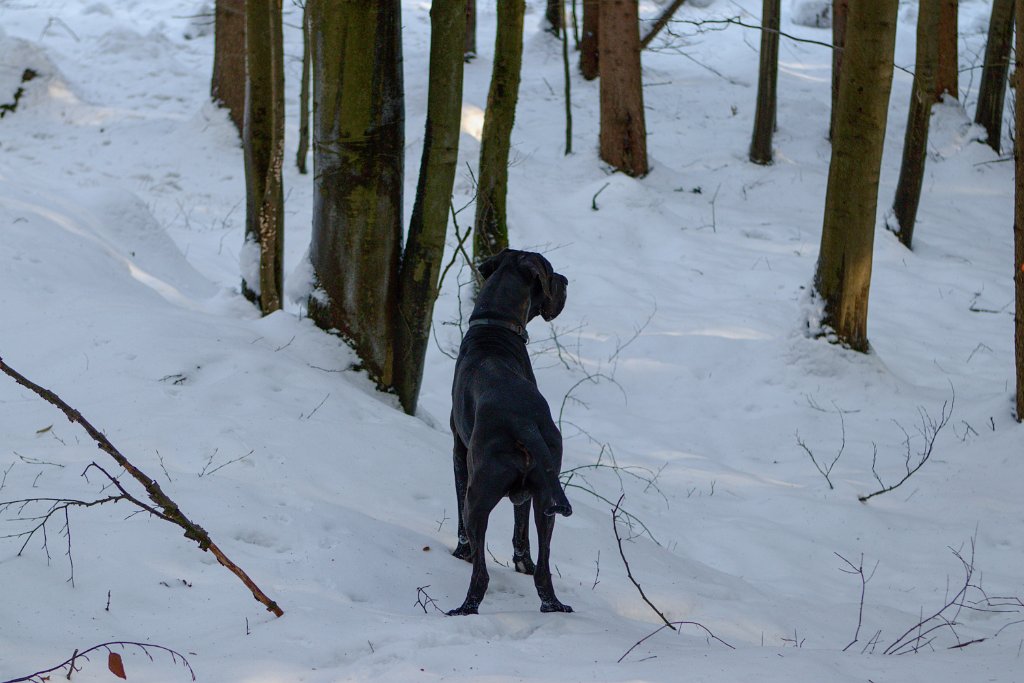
[71, 664]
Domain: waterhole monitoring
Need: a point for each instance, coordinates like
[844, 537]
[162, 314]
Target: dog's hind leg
[542, 577]
[459, 454]
[521, 539]
[479, 503]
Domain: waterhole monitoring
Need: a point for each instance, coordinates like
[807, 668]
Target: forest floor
[681, 372]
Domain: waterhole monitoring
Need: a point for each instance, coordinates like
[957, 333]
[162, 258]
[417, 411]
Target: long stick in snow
[168, 509]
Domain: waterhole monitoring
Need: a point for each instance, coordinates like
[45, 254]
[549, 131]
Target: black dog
[506, 443]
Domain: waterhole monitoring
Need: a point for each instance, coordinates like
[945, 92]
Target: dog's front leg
[521, 559]
[542, 577]
[479, 504]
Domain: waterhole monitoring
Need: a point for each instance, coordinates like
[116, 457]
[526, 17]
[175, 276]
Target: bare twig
[826, 470]
[857, 570]
[674, 626]
[70, 664]
[629, 573]
[660, 22]
[424, 600]
[166, 508]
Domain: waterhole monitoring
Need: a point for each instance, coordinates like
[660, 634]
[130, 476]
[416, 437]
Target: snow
[683, 351]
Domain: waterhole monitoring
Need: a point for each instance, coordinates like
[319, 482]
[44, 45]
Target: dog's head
[547, 288]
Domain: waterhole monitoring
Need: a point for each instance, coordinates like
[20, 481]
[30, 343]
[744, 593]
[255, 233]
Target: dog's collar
[495, 322]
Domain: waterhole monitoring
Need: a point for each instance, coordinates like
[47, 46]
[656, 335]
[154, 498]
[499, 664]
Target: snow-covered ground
[681, 356]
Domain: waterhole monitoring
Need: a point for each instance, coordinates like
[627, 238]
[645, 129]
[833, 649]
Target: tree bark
[589, 60]
[843, 276]
[491, 227]
[623, 134]
[227, 87]
[553, 15]
[424, 250]
[1018, 214]
[263, 146]
[840, 10]
[358, 150]
[767, 82]
[470, 47]
[947, 77]
[915, 143]
[303, 151]
[992, 91]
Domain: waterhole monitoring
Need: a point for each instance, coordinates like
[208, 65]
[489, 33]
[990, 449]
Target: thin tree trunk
[992, 91]
[1018, 215]
[843, 276]
[568, 87]
[424, 250]
[553, 15]
[263, 145]
[303, 151]
[915, 143]
[470, 47]
[767, 82]
[660, 23]
[227, 86]
[840, 10]
[589, 59]
[623, 129]
[491, 227]
[947, 79]
[358, 152]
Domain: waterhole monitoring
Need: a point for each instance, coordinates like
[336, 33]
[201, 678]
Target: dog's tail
[551, 498]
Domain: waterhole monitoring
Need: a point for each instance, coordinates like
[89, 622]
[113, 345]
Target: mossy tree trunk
[303, 151]
[843, 276]
[767, 82]
[263, 146]
[1018, 215]
[424, 249]
[358, 149]
[992, 91]
[840, 10]
[623, 137]
[915, 142]
[947, 74]
[491, 227]
[227, 87]
[589, 53]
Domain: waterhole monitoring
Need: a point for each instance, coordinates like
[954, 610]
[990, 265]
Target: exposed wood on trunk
[263, 145]
[623, 128]
[491, 227]
[992, 91]
[843, 276]
[767, 84]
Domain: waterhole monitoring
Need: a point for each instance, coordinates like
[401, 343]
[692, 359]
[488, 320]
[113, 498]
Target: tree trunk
[303, 151]
[470, 47]
[992, 91]
[553, 15]
[491, 228]
[843, 276]
[424, 250]
[947, 79]
[840, 10]
[767, 81]
[227, 87]
[1018, 214]
[915, 143]
[588, 42]
[263, 146]
[359, 140]
[623, 129]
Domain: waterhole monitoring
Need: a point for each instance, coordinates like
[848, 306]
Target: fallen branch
[660, 23]
[673, 626]
[629, 573]
[71, 663]
[166, 508]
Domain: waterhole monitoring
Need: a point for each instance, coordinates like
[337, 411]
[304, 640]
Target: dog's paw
[463, 552]
[461, 611]
[524, 565]
[554, 606]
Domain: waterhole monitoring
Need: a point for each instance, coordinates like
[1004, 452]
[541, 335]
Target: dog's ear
[541, 270]
[488, 266]
[553, 304]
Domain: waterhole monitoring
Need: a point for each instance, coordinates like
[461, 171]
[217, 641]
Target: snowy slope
[682, 354]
